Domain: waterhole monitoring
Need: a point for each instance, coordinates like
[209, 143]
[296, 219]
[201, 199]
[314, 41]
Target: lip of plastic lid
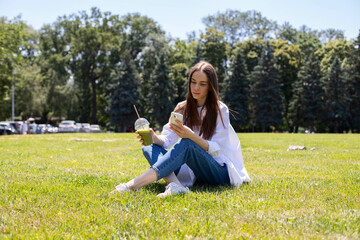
[141, 123]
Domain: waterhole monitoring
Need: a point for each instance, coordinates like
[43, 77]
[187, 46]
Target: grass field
[52, 186]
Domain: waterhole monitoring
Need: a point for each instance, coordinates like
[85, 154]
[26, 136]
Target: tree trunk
[44, 117]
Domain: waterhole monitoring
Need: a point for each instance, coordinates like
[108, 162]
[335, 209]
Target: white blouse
[224, 147]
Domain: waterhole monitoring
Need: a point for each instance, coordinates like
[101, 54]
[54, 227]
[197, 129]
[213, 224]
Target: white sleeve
[169, 136]
[221, 133]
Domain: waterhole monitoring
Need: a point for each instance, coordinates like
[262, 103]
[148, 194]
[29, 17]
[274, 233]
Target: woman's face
[199, 87]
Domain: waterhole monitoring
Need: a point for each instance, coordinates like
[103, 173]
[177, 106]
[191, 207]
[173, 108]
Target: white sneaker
[173, 188]
[121, 188]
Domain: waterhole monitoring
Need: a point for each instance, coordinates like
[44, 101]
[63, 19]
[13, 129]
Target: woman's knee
[152, 152]
[147, 151]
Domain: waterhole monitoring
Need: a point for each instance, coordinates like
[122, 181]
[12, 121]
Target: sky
[179, 17]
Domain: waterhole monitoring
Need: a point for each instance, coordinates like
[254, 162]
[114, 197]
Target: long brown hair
[189, 109]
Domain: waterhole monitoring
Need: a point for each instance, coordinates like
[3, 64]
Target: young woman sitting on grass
[209, 150]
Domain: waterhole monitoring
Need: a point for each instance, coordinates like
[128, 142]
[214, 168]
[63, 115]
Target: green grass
[52, 186]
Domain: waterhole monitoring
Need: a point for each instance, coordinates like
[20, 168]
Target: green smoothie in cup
[146, 136]
[142, 126]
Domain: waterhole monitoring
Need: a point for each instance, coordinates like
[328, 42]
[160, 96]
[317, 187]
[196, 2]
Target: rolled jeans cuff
[157, 172]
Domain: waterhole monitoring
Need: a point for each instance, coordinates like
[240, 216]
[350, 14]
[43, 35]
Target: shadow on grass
[200, 187]
[159, 187]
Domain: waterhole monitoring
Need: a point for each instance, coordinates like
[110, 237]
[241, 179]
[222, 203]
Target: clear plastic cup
[142, 126]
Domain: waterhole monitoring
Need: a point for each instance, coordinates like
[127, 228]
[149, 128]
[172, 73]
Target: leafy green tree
[178, 76]
[12, 41]
[79, 53]
[308, 42]
[19, 53]
[138, 32]
[353, 90]
[237, 91]
[336, 101]
[89, 56]
[330, 34]
[267, 105]
[214, 50]
[156, 45]
[194, 48]
[180, 52]
[30, 94]
[260, 26]
[288, 57]
[180, 55]
[159, 94]
[287, 32]
[238, 26]
[338, 48]
[231, 22]
[123, 94]
[252, 50]
[142, 38]
[54, 46]
[198, 55]
[305, 108]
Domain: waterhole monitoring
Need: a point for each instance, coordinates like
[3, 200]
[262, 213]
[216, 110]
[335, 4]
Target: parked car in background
[46, 128]
[95, 128]
[17, 126]
[53, 129]
[6, 129]
[86, 127]
[79, 127]
[67, 126]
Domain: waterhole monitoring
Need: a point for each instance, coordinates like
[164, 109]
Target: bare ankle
[131, 185]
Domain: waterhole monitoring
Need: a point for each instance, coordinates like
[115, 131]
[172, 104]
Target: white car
[67, 126]
[78, 127]
[86, 127]
[95, 128]
[6, 128]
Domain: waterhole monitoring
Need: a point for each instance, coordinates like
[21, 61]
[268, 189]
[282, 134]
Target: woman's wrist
[199, 141]
[158, 140]
[193, 136]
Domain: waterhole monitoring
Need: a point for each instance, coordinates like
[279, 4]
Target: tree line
[93, 67]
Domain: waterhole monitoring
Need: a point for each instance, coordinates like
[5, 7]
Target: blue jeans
[204, 166]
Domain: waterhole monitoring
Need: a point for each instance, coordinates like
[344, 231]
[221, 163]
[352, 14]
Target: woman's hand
[154, 137]
[185, 132]
[141, 140]
[181, 130]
